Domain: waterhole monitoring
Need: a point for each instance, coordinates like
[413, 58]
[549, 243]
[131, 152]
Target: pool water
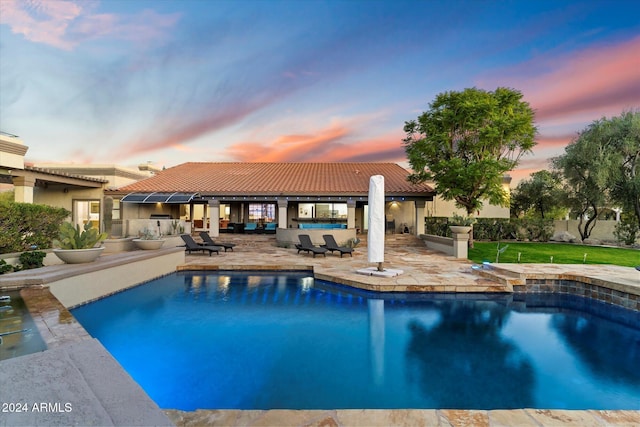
[18, 333]
[224, 340]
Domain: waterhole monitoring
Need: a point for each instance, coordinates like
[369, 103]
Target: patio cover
[158, 197]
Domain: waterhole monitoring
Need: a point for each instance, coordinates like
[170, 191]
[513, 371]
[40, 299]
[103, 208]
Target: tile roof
[278, 178]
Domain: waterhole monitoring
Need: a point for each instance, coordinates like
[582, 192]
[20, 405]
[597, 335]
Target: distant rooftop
[8, 134]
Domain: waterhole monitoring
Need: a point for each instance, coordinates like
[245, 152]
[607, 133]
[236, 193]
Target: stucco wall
[82, 288]
[603, 229]
[61, 199]
[442, 208]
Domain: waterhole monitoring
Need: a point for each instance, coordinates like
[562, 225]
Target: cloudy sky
[170, 81]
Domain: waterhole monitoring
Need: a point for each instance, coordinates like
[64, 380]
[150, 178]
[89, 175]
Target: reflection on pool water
[18, 334]
[224, 340]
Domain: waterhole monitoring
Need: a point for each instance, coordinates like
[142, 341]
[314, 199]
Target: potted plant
[148, 240]
[460, 224]
[75, 246]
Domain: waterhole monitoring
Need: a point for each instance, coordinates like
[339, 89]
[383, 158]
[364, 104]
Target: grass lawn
[562, 253]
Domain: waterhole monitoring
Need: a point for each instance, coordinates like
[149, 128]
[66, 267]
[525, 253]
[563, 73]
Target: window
[262, 212]
[115, 212]
[322, 210]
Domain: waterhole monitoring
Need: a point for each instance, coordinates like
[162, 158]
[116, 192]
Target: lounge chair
[270, 227]
[251, 227]
[307, 246]
[208, 241]
[191, 245]
[330, 244]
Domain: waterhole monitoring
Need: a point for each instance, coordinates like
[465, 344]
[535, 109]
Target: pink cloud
[40, 21]
[594, 82]
[570, 91]
[177, 132]
[290, 148]
[64, 24]
[333, 144]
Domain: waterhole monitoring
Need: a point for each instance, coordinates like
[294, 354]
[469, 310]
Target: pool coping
[60, 329]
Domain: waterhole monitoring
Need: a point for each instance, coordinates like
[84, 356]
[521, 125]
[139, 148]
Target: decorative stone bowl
[148, 244]
[78, 256]
[460, 229]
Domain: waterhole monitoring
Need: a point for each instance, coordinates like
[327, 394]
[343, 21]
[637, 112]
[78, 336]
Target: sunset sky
[132, 81]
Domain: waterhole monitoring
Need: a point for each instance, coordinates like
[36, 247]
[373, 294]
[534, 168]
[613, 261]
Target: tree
[467, 141]
[601, 168]
[586, 166]
[623, 134]
[542, 196]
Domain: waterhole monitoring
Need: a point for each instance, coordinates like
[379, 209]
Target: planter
[112, 246]
[78, 256]
[148, 244]
[460, 229]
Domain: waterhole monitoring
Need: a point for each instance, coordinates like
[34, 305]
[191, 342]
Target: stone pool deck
[77, 369]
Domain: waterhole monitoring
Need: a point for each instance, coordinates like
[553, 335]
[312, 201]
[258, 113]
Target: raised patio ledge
[53, 273]
[77, 284]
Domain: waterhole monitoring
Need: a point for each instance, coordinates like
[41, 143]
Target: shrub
[539, 229]
[4, 267]
[437, 226]
[31, 259]
[496, 229]
[108, 214]
[626, 230]
[24, 225]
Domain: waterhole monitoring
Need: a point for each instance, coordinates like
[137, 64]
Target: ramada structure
[281, 198]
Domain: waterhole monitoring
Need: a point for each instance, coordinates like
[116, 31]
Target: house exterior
[77, 188]
[39, 185]
[275, 198]
[229, 197]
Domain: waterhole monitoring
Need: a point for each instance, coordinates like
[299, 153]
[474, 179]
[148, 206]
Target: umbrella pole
[380, 267]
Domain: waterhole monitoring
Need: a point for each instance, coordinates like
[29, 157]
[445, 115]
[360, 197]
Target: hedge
[24, 225]
[495, 229]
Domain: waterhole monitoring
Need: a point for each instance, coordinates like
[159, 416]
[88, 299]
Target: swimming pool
[225, 340]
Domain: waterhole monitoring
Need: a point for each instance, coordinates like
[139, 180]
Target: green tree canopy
[623, 134]
[542, 196]
[601, 168]
[467, 141]
[586, 166]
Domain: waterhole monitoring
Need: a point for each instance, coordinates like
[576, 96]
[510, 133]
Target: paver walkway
[423, 270]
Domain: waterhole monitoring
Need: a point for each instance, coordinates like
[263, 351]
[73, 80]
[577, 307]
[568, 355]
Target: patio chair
[191, 245]
[208, 241]
[332, 245]
[307, 246]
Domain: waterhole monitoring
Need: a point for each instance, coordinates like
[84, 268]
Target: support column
[214, 223]
[460, 245]
[419, 225]
[351, 214]
[23, 189]
[282, 213]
